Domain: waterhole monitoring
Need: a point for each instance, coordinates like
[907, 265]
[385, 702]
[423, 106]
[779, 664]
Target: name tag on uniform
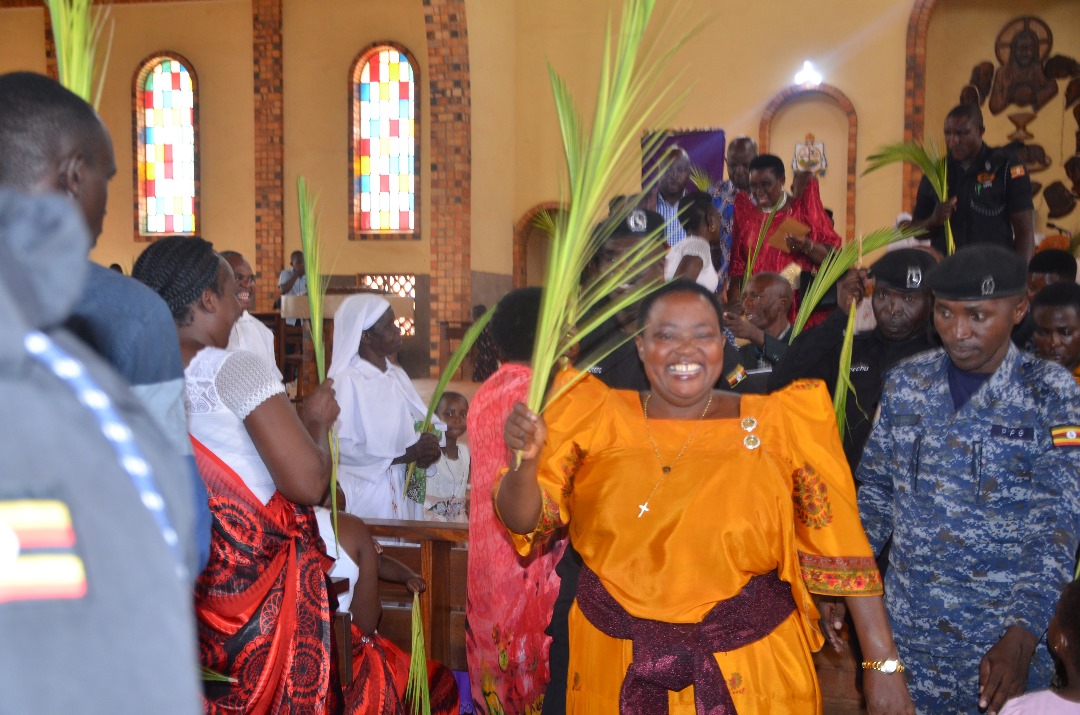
[906, 420]
[1024, 433]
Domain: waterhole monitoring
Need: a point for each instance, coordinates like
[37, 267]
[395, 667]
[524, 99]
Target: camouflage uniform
[984, 513]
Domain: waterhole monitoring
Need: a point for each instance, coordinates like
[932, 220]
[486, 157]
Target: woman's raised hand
[525, 432]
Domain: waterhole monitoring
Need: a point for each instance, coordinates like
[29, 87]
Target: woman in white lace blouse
[262, 598]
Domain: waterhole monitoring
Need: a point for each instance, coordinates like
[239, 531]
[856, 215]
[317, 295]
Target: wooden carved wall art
[1026, 78]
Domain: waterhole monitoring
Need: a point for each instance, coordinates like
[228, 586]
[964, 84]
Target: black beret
[904, 269]
[639, 223]
[979, 272]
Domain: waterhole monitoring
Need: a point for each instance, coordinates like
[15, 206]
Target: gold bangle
[889, 665]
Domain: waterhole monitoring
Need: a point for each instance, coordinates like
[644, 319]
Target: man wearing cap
[989, 196]
[901, 302]
[972, 468]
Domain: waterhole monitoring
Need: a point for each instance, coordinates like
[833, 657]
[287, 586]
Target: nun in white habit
[380, 410]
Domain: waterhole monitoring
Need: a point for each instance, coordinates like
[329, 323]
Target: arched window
[166, 147]
[382, 141]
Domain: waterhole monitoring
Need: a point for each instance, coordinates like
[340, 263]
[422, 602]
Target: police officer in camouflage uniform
[973, 468]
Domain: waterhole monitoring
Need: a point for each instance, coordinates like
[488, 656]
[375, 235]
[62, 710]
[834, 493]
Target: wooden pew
[438, 552]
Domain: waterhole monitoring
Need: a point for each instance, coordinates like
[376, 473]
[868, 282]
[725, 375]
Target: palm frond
[77, 31]
[837, 263]
[545, 221]
[318, 279]
[765, 226]
[598, 162]
[934, 166]
[843, 375]
[418, 691]
[212, 676]
[700, 178]
[416, 477]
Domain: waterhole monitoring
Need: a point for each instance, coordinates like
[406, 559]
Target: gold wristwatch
[889, 665]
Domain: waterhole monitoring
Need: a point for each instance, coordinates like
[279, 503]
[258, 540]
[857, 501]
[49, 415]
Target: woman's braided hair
[179, 269]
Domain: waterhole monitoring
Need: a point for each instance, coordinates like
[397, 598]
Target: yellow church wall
[821, 116]
[22, 40]
[321, 39]
[746, 54]
[962, 33]
[220, 54]
[493, 60]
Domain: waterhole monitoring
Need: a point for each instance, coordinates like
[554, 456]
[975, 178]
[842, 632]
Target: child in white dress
[447, 488]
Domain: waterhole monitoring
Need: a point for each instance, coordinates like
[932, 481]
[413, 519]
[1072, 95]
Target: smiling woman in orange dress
[705, 521]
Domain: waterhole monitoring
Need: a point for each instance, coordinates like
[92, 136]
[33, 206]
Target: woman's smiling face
[682, 349]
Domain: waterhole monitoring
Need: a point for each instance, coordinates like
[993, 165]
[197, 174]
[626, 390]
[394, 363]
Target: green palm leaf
[77, 32]
[837, 263]
[416, 477]
[417, 690]
[598, 162]
[700, 178]
[843, 375]
[760, 241]
[934, 166]
[313, 268]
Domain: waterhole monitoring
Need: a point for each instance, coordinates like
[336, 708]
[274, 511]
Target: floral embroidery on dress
[549, 517]
[840, 575]
[811, 498]
[735, 684]
[804, 383]
[571, 463]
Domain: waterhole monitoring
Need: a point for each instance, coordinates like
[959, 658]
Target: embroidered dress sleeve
[571, 421]
[834, 554]
[244, 382]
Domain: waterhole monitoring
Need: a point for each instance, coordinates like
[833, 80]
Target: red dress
[509, 599]
[261, 602]
[749, 219]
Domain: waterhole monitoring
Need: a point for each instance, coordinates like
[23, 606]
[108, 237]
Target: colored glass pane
[384, 142]
[167, 152]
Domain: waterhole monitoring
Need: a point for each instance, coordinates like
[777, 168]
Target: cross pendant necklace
[665, 469]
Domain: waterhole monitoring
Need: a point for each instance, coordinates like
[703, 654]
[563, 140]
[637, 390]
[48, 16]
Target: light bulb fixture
[808, 76]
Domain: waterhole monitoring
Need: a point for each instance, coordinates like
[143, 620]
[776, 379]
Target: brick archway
[790, 93]
[915, 91]
[520, 273]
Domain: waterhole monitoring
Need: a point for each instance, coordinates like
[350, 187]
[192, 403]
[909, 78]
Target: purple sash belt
[671, 656]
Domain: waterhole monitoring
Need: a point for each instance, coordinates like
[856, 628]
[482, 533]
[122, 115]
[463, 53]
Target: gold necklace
[665, 469]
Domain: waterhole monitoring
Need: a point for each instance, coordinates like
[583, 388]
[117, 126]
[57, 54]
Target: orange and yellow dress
[767, 492]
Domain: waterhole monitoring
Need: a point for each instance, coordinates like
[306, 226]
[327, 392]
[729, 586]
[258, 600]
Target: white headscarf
[356, 314]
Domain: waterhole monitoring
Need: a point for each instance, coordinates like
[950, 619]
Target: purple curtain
[706, 148]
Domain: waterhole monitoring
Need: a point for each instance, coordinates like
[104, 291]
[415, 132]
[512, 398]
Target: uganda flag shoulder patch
[1066, 435]
[1017, 171]
[38, 559]
[736, 376]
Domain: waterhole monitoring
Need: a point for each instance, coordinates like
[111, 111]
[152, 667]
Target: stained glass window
[384, 143]
[166, 107]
